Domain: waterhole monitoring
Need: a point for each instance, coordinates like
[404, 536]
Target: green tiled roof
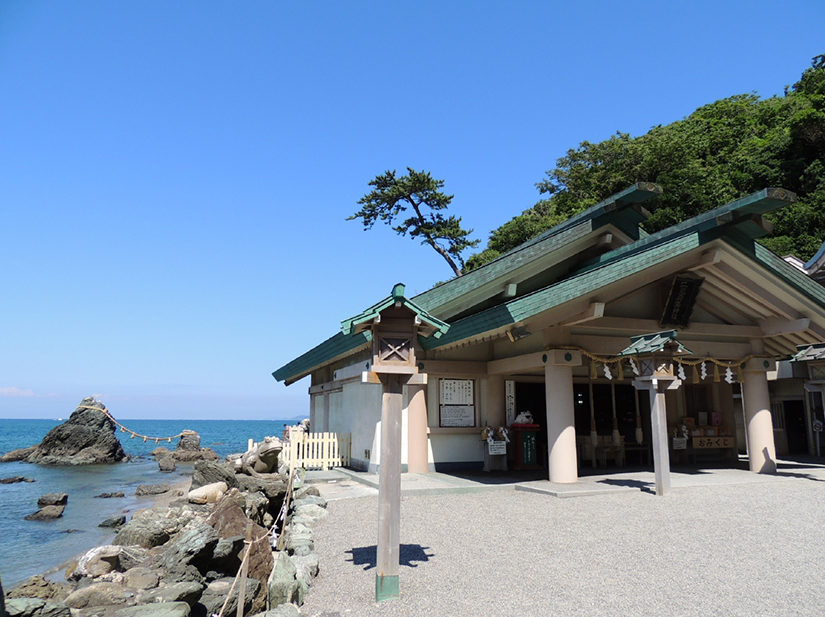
[809, 352]
[582, 284]
[651, 343]
[733, 221]
[435, 326]
[617, 209]
[337, 346]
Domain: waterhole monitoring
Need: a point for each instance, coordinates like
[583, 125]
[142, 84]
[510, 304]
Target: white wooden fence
[318, 450]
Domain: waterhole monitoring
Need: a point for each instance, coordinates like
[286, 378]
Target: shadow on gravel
[642, 486]
[408, 553]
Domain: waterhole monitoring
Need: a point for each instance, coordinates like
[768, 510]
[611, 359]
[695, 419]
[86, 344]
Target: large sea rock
[86, 438]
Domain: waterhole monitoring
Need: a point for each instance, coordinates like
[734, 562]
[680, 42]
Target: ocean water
[36, 547]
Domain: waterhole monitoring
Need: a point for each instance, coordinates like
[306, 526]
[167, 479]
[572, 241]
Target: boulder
[53, 499]
[284, 610]
[152, 489]
[87, 437]
[256, 506]
[227, 554]
[39, 587]
[299, 540]
[36, 607]
[15, 479]
[215, 594]
[181, 573]
[177, 592]
[99, 561]
[209, 472]
[142, 532]
[210, 493]
[113, 521]
[306, 489]
[167, 464]
[193, 547]
[229, 521]
[131, 557]
[99, 594]
[282, 584]
[270, 485]
[49, 513]
[189, 441]
[160, 609]
[141, 578]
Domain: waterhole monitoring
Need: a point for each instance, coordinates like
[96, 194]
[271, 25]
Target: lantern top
[427, 324]
[654, 343]
[805, 353]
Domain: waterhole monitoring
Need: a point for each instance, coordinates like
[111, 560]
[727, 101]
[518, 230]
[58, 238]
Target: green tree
[417, 190]
[722, 151]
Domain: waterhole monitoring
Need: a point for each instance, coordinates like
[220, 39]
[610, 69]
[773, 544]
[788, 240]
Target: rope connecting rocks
[133, 434]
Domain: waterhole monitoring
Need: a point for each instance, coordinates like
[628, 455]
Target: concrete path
[725, 542]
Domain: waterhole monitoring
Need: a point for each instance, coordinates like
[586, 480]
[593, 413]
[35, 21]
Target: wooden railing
[318, 450]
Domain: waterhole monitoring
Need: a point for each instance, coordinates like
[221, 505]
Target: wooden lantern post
[654, 354]
[395, 324]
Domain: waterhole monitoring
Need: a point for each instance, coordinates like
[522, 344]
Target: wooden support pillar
[418, 450]
[562, 463]
[389, 490]
[756, 400]
[657, 386]
[325, 423]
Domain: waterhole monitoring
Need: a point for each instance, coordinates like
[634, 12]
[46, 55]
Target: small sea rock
[152, 489]
[15, 479]
[49, 513]
[114, 521]
[111, 495]
[53, 499]
[167, 464]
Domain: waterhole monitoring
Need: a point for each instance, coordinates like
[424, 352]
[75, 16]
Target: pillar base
[386, 588]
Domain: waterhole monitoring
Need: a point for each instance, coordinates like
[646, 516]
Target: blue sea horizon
[36, 547]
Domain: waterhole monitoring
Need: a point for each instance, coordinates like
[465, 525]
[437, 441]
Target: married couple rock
[88, 437]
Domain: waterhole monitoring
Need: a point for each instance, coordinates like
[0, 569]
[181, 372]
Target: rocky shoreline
[182, 558]
[239, 531]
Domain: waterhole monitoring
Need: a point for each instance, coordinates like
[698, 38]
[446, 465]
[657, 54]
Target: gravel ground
[723, 549]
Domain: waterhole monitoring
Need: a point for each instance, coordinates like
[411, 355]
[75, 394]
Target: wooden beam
[777, 326]
[644, 326]
[454, 367]
[707, 259]
[594, 311]
[530, 361]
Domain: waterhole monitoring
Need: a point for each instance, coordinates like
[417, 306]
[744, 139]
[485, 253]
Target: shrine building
[584, 326]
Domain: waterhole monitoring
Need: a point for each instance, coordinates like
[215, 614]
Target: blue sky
[175, 177]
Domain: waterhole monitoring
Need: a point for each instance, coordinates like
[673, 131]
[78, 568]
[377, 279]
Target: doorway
[796, 428]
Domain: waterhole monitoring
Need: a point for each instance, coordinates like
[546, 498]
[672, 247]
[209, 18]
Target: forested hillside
[722, 151]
